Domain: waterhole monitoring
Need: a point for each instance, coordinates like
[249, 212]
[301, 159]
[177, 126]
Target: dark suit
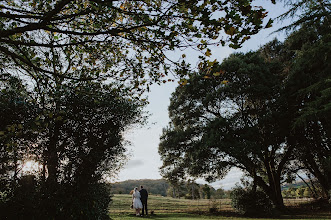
[144, 196]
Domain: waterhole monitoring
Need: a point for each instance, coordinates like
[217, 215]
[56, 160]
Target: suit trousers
[144, 209]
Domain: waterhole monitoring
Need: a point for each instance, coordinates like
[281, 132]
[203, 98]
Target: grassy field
[183, 209]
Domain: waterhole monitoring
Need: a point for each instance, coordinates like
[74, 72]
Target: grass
[183, 209]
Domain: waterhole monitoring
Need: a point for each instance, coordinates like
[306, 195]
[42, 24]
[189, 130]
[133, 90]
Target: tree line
[193, 190]
[188, 190]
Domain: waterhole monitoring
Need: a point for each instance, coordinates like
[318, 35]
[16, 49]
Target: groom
[143, 198]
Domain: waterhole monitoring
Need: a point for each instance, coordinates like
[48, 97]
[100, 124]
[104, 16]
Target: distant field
[121, 204]
[184, 209]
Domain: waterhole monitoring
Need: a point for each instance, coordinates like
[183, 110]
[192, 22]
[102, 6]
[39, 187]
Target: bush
[28, 201]
[251, 203]
[19, 202]
[90, 203]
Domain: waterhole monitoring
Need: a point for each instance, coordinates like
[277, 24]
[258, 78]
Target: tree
[307, 193]
[232, 117]
[123, 40]
[206, 191]
[17, 128]
[292, 192]
[308, 88]
[300, 192]
[305, 12]
[78, 143]
[192, 189]
[219, 194]
[293, 114]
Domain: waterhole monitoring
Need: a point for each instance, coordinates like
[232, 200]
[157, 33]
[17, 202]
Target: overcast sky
[145, 160]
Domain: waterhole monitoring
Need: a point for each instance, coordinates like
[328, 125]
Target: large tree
[308, 90]
[232, 118]
[307, 85]
[76, 139]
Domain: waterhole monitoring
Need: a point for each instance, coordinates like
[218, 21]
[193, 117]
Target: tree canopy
[124, 40]
[230, 120]
[258, 111]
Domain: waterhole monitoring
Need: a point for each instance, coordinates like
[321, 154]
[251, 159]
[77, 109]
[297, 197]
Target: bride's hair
[135, 188]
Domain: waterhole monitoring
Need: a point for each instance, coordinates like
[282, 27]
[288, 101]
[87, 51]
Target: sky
[145, 161]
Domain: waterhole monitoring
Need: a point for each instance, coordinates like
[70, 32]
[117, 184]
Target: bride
[136, 202]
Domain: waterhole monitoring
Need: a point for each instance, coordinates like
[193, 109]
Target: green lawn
[183, 209]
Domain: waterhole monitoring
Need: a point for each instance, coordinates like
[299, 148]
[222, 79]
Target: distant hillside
[293, 185]
[156, 187]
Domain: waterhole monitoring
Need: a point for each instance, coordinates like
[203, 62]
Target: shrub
[251, 203]
[19, 202]
[90, 203]
[28, 201]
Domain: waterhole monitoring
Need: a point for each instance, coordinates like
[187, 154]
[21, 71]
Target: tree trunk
[277, 197]
[273, 190]
[52, 168]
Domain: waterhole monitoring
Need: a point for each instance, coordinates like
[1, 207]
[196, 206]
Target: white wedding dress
[136, 202]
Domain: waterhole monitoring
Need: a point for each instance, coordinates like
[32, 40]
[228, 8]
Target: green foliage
[216, 125]
[17, 127]
[308, 88]
[74, 133]
[206, 191]
[220, 194]
[250, 202]
[22, 201]
[91, 202]
[164, 188]
[300, 192]
[27, 202]
[257, 111]
[307, 193]
[306, 12]
[122, 40]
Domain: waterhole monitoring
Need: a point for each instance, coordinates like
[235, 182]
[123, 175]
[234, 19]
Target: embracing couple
[139, 200]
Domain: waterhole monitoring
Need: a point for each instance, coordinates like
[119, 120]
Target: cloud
[134, 164]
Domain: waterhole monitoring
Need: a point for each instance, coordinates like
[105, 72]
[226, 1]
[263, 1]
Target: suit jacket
[143, 194]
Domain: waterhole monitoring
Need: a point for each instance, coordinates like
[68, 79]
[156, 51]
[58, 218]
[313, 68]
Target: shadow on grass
[223, 215]
[158, 216]
[291, 213]
[312, 211]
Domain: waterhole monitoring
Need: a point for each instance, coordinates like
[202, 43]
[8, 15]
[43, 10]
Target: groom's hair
[141, 187]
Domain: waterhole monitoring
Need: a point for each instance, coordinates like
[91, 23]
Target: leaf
[231, 31]
[269, 24]
[208, 53]
[183, 82]
[221, 72]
